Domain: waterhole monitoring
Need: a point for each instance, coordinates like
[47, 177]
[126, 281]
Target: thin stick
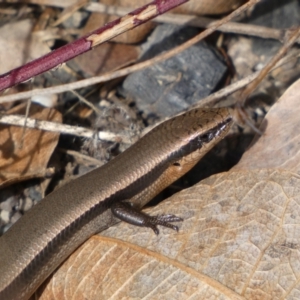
[181, 19]
[18, 120]
[86, 43]
[172, 18]
[295, 33]
[216, 97]
[211, 100]
[123, 72]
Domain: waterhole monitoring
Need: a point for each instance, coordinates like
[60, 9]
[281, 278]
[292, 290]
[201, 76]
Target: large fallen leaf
[239, 239]
[279, 145]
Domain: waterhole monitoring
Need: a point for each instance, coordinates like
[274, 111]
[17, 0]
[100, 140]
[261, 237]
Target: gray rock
[175, 84]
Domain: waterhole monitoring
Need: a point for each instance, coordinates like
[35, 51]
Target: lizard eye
[207, 137]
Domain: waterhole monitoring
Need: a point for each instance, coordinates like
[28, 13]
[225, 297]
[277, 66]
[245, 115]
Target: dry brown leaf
[30, 161]
[129, 37]
[208, 7]
[109, 56]
[198, 7]
[18, 45]
[278, 147]
[239, 240]
[146, 274]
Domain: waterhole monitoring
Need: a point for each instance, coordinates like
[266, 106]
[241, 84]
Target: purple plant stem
[79, 46]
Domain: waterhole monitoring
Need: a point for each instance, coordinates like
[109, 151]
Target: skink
[46, 235]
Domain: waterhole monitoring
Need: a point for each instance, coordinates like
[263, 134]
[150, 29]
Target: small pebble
[27, 204]
[5, 216]
[8, 204]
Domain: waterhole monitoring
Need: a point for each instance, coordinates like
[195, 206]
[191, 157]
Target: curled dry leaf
[278, 147]
[29, 161]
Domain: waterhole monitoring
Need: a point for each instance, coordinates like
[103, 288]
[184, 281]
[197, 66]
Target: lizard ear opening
[177, 164]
